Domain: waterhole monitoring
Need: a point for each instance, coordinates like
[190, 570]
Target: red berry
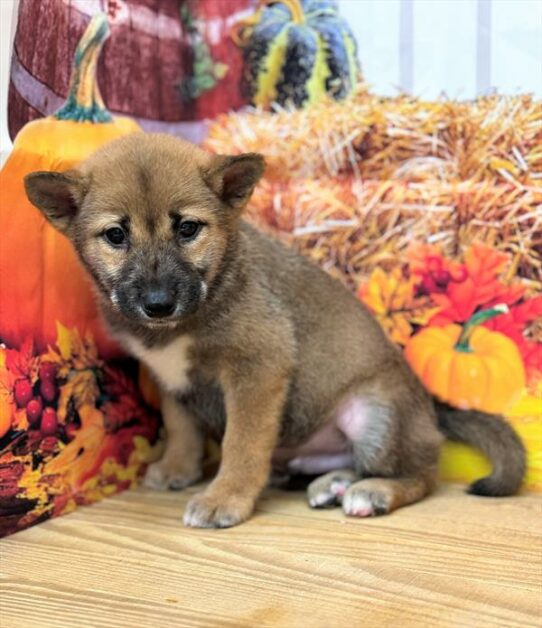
[459, 274]
[49, 422]
[442, 278]
[48, 371]
[23, 392]
[428, 285]
[48, 390]
[34, 408]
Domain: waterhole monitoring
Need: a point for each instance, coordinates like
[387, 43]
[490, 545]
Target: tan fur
[274, 351]
[180, 466]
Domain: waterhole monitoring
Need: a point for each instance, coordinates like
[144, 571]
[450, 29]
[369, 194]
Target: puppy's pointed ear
[233, 178]
[58, 195]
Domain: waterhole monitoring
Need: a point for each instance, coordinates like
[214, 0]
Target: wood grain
[452, 560]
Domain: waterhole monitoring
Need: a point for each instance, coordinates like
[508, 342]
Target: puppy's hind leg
[396, 445]
[180, 466]
[379, 496]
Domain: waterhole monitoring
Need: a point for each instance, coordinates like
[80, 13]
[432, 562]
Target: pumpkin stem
[477, 319]
[84, 101]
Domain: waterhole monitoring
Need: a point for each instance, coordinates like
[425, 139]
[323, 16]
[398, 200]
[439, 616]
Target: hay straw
[353, 184]
[496, 138]
[349, 229]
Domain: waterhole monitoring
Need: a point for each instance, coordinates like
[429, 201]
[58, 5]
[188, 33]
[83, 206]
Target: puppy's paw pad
[327, 491]
[204, 511]
[359, 502]
[159, 477]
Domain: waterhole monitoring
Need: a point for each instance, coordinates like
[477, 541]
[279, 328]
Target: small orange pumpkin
[469, 367]
[42, 281]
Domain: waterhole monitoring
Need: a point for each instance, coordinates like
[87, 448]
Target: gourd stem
[84, 101]
[242, 31]
[298, 15]
[477, 319]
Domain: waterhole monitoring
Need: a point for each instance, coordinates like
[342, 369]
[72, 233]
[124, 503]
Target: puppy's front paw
[161, 476]
[209, 511]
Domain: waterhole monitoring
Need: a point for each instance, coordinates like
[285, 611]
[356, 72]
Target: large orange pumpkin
[469, 366]
[41, 280]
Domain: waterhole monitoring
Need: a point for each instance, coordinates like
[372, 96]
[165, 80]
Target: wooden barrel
[145, 67]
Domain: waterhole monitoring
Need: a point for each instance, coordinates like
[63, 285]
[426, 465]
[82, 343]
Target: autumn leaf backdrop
[74, 426]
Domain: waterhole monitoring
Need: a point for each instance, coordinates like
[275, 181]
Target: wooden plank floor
[453, 560]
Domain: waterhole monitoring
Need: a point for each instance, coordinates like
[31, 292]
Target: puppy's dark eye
[188, 229]
[115, 236]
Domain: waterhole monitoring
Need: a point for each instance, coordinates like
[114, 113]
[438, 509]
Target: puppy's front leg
[254, 406]
[180, 466]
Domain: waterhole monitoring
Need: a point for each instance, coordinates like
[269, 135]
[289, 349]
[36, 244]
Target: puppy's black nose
[158, 303]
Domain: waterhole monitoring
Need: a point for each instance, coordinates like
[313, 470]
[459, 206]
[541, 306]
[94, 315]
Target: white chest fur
[170, 364]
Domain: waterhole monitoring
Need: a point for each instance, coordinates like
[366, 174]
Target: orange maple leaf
[481, 287]
[484, 263]
[80, 455]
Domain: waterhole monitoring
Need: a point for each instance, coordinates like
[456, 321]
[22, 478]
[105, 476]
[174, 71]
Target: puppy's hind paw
[327, 490]
[364, 500]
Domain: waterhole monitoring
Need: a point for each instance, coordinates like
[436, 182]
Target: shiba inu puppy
[252, 343]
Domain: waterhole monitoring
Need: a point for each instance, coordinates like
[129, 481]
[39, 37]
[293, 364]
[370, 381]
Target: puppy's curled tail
[495, 438]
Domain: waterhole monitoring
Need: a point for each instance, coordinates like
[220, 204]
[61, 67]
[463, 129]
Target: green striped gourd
[296, 51]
